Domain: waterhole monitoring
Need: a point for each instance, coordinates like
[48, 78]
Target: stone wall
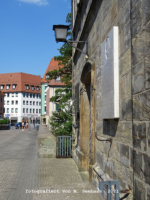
[127, 159]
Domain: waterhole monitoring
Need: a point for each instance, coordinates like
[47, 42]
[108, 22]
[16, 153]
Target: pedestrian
[34, 123]
[10, 125]
[22, 124]
[27, 125]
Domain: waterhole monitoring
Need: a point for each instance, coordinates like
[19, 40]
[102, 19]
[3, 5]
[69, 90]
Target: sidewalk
[59, 179]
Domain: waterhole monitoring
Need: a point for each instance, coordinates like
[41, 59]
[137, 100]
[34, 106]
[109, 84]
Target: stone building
[124, 118]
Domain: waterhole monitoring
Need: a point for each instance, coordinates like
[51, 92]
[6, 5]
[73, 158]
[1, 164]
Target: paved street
[28, 166]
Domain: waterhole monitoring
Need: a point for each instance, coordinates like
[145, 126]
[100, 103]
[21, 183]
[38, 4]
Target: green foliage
[4, 121]
[61, 120]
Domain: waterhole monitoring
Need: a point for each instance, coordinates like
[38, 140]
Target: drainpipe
[132, 92]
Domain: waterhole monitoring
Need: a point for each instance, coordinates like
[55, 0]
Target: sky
[27, 41]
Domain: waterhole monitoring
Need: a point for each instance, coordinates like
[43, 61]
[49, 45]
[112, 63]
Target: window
[7, 94]
[7, 87]
[37, 88]
[23, 94]
[39, 96]
[33, 95]
[16, 94]
[23, 110]
[30, 95]
[30, 110]
[16, 102]
[2, 87]
[27, 95]
[27, 87]
[12, 102]
[1, 109]
[36, 111]
[26, 110]
[45, 108]
[47, 76]
[39, 110]
[16, 110]
[4, 102]
[1, 99]
[32, 88]
[57, 106]
[23, 102]
[12, 110]
[30, 103]
[12, 95]
[58, 78]
[7, 102]
[45, 97]
[14, 86]
[26, 102]
[7, 110]
[37, 103]
[33, 110]
[45, 87]
[34, 103]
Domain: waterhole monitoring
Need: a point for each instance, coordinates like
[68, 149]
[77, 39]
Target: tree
[61, 120]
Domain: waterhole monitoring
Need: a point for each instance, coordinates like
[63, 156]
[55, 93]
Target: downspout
[132, 93]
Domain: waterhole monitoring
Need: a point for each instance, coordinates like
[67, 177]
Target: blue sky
[27, 41]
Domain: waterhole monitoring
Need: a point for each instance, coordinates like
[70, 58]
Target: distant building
[1, 105]
[22, 96]
[47, 91]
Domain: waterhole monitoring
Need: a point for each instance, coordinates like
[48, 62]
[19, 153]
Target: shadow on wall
[110, 127]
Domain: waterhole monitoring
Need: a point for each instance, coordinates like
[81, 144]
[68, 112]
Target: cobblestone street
[28, 165]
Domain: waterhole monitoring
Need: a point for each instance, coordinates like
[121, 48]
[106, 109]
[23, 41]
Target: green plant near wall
[4, 121]
[61, 120]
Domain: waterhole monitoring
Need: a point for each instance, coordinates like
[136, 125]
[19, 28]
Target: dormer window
[7, 87]
[47, 76]
[32, 88]
[2, 87]
[14, 86]
[27, 87]
[37, 88]
[58, 79]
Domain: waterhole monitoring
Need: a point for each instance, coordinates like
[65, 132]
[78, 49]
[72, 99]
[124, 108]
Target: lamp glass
[61, 34]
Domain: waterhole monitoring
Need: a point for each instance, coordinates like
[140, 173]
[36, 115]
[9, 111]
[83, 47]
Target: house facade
[22, 96]
[48, 91]
[2, 110]
[111, 92]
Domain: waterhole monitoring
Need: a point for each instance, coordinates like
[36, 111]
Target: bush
[4, 121]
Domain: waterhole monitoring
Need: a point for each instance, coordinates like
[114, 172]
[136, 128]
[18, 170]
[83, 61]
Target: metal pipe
[108, 140]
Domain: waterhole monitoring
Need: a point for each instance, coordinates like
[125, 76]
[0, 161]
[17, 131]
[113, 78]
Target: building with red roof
[22, 96]
[48, 90]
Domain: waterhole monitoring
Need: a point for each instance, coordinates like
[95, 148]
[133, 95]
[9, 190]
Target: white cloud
[37, 2]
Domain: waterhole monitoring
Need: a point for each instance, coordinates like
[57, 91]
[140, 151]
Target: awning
[14, 118]
[38, 118]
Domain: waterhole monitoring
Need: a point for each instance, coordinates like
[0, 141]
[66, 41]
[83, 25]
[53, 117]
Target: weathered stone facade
[127, 159]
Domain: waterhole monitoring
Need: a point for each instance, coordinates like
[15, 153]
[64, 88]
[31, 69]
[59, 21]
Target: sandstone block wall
[127, 159]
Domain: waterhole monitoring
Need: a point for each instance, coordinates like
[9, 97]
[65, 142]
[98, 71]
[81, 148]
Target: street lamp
[61, 35]
[60, 32]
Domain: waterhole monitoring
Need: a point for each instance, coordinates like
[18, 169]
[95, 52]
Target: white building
[22, 96]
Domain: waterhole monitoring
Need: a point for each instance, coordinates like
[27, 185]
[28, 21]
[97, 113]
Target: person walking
[27, 125]
[23, 124]
[9, 126]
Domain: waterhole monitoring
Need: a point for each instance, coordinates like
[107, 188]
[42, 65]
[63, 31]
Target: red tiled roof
[20, 80]
[52, 65]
